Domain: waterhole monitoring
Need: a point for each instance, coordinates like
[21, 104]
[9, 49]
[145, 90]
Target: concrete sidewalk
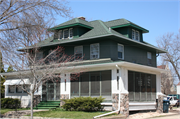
[148, 115]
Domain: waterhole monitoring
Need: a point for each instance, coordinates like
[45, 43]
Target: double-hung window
[120, 51]
[149, 58]
[11, 88]
[19, 89]
[135, 35]
[65, 34]
[94, 51]
[78, 52]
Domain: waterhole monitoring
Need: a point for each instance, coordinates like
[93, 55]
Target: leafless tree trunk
[171, 43]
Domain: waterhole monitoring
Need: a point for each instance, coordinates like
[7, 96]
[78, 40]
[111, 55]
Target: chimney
[83, 18]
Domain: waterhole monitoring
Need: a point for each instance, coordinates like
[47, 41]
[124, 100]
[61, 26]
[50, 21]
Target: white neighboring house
[178, 88]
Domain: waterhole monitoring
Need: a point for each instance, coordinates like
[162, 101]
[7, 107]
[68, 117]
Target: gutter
[118, 110]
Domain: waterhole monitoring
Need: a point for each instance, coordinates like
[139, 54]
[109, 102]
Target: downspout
[118, 110]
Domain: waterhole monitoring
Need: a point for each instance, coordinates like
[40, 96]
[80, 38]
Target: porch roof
[16, 82]
[90, 65]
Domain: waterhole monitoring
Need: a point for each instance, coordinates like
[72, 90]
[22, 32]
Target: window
[11, 88]
[65, 34]
[39, 55]
[19, 89]
[120, 51]
[141, 86]
[93, 84]
[78, 52]
[94, 51]
[135, 35]
[149, 58]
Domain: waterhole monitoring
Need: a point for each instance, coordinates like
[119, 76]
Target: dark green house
[120, 65]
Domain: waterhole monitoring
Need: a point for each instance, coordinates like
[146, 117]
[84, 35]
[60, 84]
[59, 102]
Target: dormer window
[135, 35]
[65, 34]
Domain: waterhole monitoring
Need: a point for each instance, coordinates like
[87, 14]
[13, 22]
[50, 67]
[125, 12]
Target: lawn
[59, 113]
[3, 111]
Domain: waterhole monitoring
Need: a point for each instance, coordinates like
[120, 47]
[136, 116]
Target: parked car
[173, 100]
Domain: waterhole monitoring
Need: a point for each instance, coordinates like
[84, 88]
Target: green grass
[60, 113]
[3, 111]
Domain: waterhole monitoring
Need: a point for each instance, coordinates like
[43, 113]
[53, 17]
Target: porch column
[65, 87]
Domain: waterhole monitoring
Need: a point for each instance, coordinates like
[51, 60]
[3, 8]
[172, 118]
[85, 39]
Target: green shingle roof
[99, 29]
[73, 22]
[123, 22]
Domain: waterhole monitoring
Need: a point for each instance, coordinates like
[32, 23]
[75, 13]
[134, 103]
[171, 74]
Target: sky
[157, 16]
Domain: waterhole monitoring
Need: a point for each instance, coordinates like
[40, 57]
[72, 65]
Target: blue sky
[158, 16]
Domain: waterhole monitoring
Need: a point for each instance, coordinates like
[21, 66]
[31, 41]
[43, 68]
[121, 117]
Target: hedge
[10, 103]
[83, 104]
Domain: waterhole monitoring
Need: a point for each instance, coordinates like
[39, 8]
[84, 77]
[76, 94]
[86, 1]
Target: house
[178, 88]
[120, 65]
[166, 80]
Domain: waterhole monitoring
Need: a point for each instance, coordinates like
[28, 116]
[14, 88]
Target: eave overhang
[95, 67]
[70, 25]
[132, 25]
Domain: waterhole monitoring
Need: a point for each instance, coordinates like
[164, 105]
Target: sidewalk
[147, 115]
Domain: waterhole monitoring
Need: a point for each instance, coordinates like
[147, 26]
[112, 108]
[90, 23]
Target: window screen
[66, 33]
[95, 83]
[84, 78]
[106, 83]
[94, 51]
[60, 34]
[120, 51]
[74, 85]
[70, 33]
[11, 88]
[78, 52]
[19, 89]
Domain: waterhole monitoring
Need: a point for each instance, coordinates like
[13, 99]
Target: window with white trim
[120, 51]
[78, 52]
[65, 34]
[149, 58]
[11, 88]
[19, 89]
[94, 51]
[135, 35]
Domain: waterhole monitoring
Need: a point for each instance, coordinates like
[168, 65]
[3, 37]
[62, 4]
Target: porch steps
[47, 105]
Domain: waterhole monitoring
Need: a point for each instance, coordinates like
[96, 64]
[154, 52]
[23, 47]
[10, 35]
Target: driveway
[167, 117]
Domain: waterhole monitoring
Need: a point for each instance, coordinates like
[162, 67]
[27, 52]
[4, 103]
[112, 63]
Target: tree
[171, 43]
[2, 82]
[10, 69]
[22, 19]
[40, 69]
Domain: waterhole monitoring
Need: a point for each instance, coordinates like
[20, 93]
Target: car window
[175, 98]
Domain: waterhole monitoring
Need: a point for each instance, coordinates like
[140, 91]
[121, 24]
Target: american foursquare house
[120, 66]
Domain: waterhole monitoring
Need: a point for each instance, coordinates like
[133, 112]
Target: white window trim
[149, 53]
[122, 53]
[98, 50]
[135, 35]
[75, 51]
[63, 34]
[69, 33]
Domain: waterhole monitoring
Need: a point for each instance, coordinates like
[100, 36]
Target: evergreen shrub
[10, 103]
[88, 104]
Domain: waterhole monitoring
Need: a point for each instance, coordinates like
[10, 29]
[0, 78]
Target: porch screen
[93, 84]
[141, 86]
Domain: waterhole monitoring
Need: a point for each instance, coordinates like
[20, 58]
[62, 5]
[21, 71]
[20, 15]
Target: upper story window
[39, 55]
[11, 88]
[65, 34]
[149, 58]
[94, 51]
[135, 35]
[120, 51]
[78, 52]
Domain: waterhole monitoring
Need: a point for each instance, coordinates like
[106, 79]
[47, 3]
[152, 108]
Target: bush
[10, 103]
[83, 104]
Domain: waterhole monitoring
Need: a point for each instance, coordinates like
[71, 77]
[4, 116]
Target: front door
[51, 91]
